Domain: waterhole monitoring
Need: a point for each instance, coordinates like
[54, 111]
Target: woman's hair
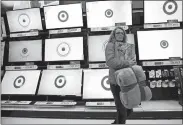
[112, 35]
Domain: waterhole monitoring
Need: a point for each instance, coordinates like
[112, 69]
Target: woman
[115, 59]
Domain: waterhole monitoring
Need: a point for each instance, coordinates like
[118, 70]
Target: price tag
[68, 103]
[120, 24]
[55, 31]
[176, 62]
[102, 65]
[164, 25]
[54, 67]
[146, 26]
[8, 102]
[162, 63]
[71, 66]
[100, 104]
[65, 31]
[107, 28]
[173, 24]
[34, 33]
[74, 30]
[158, 63]
[22, 102]
[98, 65]
[31, 67]
[41, 103]
[173, 21]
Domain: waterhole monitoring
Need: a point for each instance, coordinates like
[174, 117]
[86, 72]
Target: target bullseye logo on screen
[105, 83]
[19, 81]
[63, 16]
[164, 44]
[170, 7]
[24, 20]
[24, 52]
[63, 49]
[108, 13]
[104, 45]
[60, 81]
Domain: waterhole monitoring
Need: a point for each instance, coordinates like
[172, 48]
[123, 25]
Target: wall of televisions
[58, 50]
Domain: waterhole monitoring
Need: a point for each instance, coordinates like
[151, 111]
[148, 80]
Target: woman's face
[119, 35]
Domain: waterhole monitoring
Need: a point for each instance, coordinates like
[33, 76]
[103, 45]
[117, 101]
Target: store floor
[10, 120]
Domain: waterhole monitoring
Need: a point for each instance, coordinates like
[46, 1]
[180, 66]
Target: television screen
[61, 82]
[64, 49]
[20, 82]
[161, 11]
[96, 85]
[63, 16]
[23, 51]
[24, 20]
[159, 44]
[107, 13]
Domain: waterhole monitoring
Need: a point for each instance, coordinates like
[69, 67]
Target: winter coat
[117, 57]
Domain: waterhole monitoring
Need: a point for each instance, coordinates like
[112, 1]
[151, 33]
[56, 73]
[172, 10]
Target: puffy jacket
[117, 58]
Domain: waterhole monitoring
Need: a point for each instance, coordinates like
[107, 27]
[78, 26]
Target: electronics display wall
[88, 47]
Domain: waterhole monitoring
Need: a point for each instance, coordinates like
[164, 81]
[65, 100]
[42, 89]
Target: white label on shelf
[68, 103]
[22, 102]
[98, 65]
[162, 63]
[8, 102]
[41, 103]
[173, 21]
[33, 33]
[72, 66]
[21, 67]
[120, 24]
[173, 24]
[44, 103]
[107, 28]
[100, 104]
[164, 25]
[73, 30]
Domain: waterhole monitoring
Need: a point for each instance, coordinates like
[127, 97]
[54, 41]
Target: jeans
[122, 112]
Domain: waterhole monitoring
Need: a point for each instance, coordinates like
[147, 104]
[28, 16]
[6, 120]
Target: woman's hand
[132, 62]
